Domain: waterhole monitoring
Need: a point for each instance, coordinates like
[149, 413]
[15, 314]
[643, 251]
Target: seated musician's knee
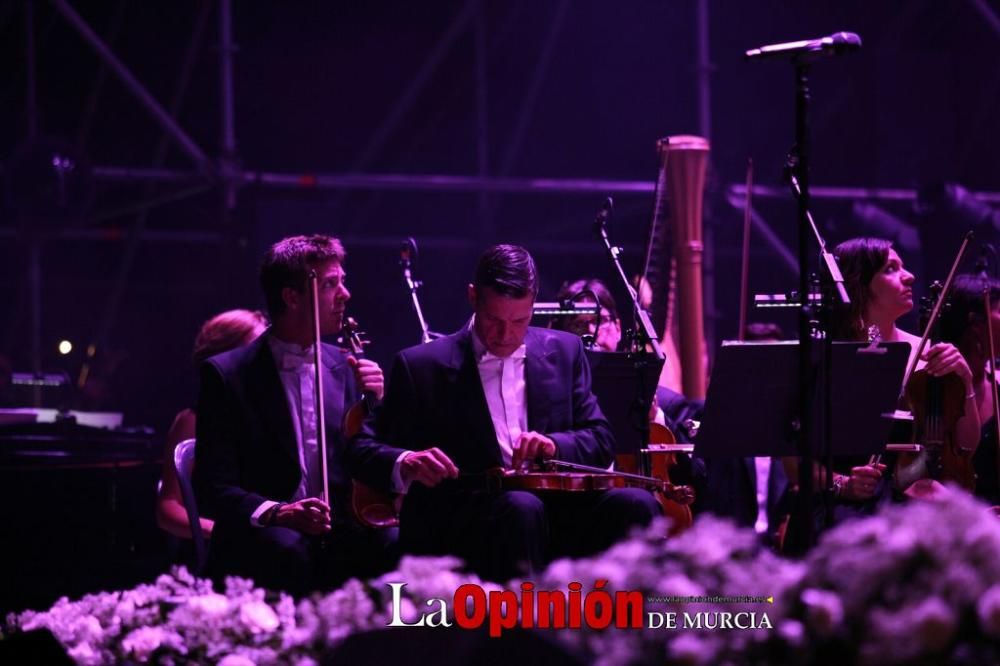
[634, 506]
[519, 507]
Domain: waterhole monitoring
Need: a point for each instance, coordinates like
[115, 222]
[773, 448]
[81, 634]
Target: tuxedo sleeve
[217, 460]
[372, 452]
[589, 441]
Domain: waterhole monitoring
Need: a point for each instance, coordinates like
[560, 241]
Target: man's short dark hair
[508, 270]
[288, 262]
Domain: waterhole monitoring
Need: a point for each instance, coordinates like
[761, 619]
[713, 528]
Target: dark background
[315, 82]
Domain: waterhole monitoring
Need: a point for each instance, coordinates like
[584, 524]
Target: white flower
[680, 586]
[88, 629]
[824, 611]
[792, 632]
[209, 606]
[236, 660]
[142, 642]
[690, 650]
[85, 655]
[561, 570]
[988, 610]
[259, 617]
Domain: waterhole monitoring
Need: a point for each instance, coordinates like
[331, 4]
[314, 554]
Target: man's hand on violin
[944, 359]
[310, 515]
[429, 467]
[861, 484]
[531, 446]
[368, 375]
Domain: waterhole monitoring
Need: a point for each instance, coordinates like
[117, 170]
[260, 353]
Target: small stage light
[65, 347]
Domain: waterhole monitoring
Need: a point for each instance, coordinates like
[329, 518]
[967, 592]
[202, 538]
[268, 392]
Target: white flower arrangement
[918, 583]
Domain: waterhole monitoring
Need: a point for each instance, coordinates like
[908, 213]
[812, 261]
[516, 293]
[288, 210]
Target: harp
[673, 264]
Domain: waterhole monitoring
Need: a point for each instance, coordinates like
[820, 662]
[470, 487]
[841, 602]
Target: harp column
[685, 159]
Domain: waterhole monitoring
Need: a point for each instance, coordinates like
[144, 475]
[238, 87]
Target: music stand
[625, 385]
[753, 400]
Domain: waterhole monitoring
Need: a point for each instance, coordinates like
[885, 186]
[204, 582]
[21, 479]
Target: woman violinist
[964, 324]
[881, 291]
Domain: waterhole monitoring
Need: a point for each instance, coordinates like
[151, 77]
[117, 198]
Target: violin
[370, 507]
[937, 404]
[573, 477]
[661, 459]
[561, 476]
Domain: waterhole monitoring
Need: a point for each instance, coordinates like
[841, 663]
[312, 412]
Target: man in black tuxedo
[258, 471]
[496, 394]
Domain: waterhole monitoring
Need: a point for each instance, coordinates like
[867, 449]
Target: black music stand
[625, 385]
[753, 402]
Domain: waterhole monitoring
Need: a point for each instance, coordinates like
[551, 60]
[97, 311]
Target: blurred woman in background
[225, 331]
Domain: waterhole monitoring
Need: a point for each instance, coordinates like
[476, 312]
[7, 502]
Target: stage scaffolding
[224, 174]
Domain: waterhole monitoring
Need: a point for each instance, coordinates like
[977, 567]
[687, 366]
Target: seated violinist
[881, 291]
[497, 394]
[964, 324]
[259, 469]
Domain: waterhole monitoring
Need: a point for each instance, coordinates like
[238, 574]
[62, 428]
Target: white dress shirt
[298, 378]
[503, 385]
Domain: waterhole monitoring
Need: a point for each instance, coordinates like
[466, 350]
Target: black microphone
[408, 252]
[982, 268]
[604, 214]
[808, 49]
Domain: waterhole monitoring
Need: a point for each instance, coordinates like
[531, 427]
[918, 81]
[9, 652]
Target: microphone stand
[406, 254]
[815, 340]
[643, 335]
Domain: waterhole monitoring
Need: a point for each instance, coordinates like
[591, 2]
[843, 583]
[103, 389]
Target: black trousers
[516, 533]
[285, 559]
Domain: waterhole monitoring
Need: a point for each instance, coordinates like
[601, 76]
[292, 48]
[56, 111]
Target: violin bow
[937, 309]
[877, 458]
[318, 386]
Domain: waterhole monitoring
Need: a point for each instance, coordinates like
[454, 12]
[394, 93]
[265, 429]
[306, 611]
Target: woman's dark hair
[860, 261]
[508, 270]
[288, 262]
[574, 291]
[966, 306]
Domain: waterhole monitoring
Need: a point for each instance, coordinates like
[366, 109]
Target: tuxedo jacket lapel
[267, 397]
[473, 409]
[538, 375]
[334, 391]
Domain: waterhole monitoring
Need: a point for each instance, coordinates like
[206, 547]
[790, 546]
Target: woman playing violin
[964, 324]
[881, 291]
